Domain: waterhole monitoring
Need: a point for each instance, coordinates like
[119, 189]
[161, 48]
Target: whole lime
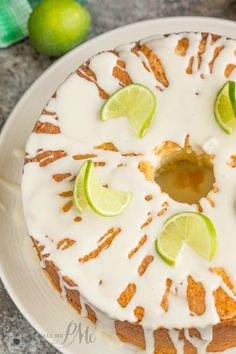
[56, 26]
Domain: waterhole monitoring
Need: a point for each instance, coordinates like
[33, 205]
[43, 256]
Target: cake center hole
[185, 177]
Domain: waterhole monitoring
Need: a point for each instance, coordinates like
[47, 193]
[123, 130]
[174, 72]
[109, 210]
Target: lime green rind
[79, 198]
[147, 124]
[116, 100]
[225, 107]
[232, 95]
[165, 258]
[93, 188]
[213, 236]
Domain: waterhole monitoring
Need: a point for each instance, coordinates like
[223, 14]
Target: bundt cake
[111, 269]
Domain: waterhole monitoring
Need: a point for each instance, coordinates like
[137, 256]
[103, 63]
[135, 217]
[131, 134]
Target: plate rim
[189, 20]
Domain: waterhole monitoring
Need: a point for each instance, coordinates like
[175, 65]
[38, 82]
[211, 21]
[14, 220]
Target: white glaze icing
[180, 111]
[178, 344]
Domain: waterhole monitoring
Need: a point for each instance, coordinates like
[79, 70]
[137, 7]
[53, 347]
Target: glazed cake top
[121, 273]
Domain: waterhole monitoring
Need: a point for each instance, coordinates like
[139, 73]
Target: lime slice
[137, 102]
[225, 107]
[194, 228]
[104, 201]
[79, 198]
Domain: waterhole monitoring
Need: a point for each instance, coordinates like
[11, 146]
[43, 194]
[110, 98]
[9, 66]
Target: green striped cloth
[14, 15]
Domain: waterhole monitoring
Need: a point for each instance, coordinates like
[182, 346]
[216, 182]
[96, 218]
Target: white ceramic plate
[19, 267]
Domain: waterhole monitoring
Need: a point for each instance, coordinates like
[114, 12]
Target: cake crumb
[140, 244]
[84, 156]
[104, 245]
[147, 222]
[67, 206]
[126, 296]
[77, 219]
[145, 264]
[148, 197]
[66, 194]
[108, 146]
[139, 313]
[59, 177]
[65, 243]
[182, 46]
[99, 163]
[165, 301]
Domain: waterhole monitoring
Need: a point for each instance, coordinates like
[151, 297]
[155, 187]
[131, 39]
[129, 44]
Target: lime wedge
[225, 107]
[79, 198]
[136, 102]
[194, 228]
[104, 201]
